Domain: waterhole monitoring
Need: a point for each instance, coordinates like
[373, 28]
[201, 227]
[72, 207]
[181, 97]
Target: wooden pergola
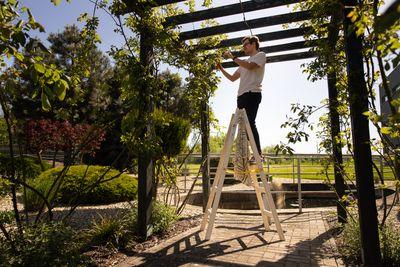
[357, 92]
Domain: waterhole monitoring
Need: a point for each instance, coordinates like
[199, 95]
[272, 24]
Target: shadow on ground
[185, 251]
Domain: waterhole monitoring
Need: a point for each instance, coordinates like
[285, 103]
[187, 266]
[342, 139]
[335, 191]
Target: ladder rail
[217, 176]
[221, 180]
[257, 157]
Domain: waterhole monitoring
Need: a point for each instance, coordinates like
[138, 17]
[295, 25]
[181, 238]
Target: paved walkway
[240, 240]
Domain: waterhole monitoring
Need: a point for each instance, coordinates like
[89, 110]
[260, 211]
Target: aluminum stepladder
[263, 193]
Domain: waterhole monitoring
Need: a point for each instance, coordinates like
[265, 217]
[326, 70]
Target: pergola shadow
[192, 249]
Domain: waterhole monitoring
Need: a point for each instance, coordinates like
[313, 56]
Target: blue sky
[284, 83]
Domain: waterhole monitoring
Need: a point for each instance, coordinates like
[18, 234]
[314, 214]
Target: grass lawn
[308, 171]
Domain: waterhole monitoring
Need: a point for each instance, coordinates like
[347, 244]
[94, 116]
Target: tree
[52, 81]
[87, 100]
[3, 132]
[154, 42]
[216, 143]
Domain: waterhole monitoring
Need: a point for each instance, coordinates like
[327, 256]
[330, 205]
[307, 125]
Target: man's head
[251, 44]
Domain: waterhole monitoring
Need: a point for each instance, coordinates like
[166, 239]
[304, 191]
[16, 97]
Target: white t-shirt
[250, 80]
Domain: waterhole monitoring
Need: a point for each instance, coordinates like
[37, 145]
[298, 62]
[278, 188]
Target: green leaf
[385, 130]
[56, 2]
[31, 17]
[49, 93]
[35, 94]
[45, 102]
[39, 68]
[367, 113]
[61, 89]
[19, 56]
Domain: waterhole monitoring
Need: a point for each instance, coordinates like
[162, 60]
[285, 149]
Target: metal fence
[46, 155]
[295, 168]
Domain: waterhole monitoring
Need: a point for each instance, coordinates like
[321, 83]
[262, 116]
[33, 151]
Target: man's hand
[218, 66]
[228, 54]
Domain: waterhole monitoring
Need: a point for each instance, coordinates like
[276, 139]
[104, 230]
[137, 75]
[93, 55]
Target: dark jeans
[250, 102]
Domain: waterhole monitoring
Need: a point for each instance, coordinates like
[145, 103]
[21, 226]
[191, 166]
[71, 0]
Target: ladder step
[268, 213]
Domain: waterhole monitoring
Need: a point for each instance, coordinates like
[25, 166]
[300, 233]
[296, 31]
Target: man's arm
[242, 63]
[233, 77]
[245, 64]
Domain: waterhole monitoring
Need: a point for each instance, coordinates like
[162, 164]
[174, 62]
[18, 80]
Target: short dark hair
[252, 39]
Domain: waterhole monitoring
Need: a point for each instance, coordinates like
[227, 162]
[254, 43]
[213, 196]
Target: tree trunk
[7, 117]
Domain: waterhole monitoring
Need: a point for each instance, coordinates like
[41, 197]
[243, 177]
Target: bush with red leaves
[53, 135]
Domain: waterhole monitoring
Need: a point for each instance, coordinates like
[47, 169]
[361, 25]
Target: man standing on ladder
[251, 74]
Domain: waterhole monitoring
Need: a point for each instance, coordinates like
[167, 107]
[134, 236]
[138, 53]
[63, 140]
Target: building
[394, 86]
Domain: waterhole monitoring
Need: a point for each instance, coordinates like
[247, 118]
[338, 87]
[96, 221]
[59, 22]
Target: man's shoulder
[259, 58]
[261, 54]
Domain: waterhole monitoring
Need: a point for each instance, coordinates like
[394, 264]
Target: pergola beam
[240, 26]
[227, 10]
[270, 36]
[163, 2]
[390, 16]
[279, 58]
[282, 47]
[132, 5]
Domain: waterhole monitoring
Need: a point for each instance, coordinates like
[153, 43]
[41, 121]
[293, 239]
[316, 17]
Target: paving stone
[241, 239]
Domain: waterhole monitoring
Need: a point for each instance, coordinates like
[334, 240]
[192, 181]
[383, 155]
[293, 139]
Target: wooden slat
[270, 36]
[132, 5]
[164, 2]
[279, 58]
[240, 26]
[282, 47]
[390, 16]
[227, 10]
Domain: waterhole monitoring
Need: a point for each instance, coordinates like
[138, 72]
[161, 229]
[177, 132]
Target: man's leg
[250, 102]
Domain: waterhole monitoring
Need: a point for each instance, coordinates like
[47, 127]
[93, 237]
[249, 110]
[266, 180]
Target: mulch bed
[108, 256]
[103, 256]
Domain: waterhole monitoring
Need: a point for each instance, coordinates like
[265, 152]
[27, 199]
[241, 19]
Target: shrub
[120, 231]
[172, 132]
[50, 244]
[390, 244]
[162, 218]
[349, 245]
[350, 242]
[25, 167]
[110, 232]
[114, 189]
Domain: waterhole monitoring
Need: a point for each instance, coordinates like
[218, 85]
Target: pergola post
[336, 146]
[358, 94]
[333, 33]
[145, 161]
[205, 151]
